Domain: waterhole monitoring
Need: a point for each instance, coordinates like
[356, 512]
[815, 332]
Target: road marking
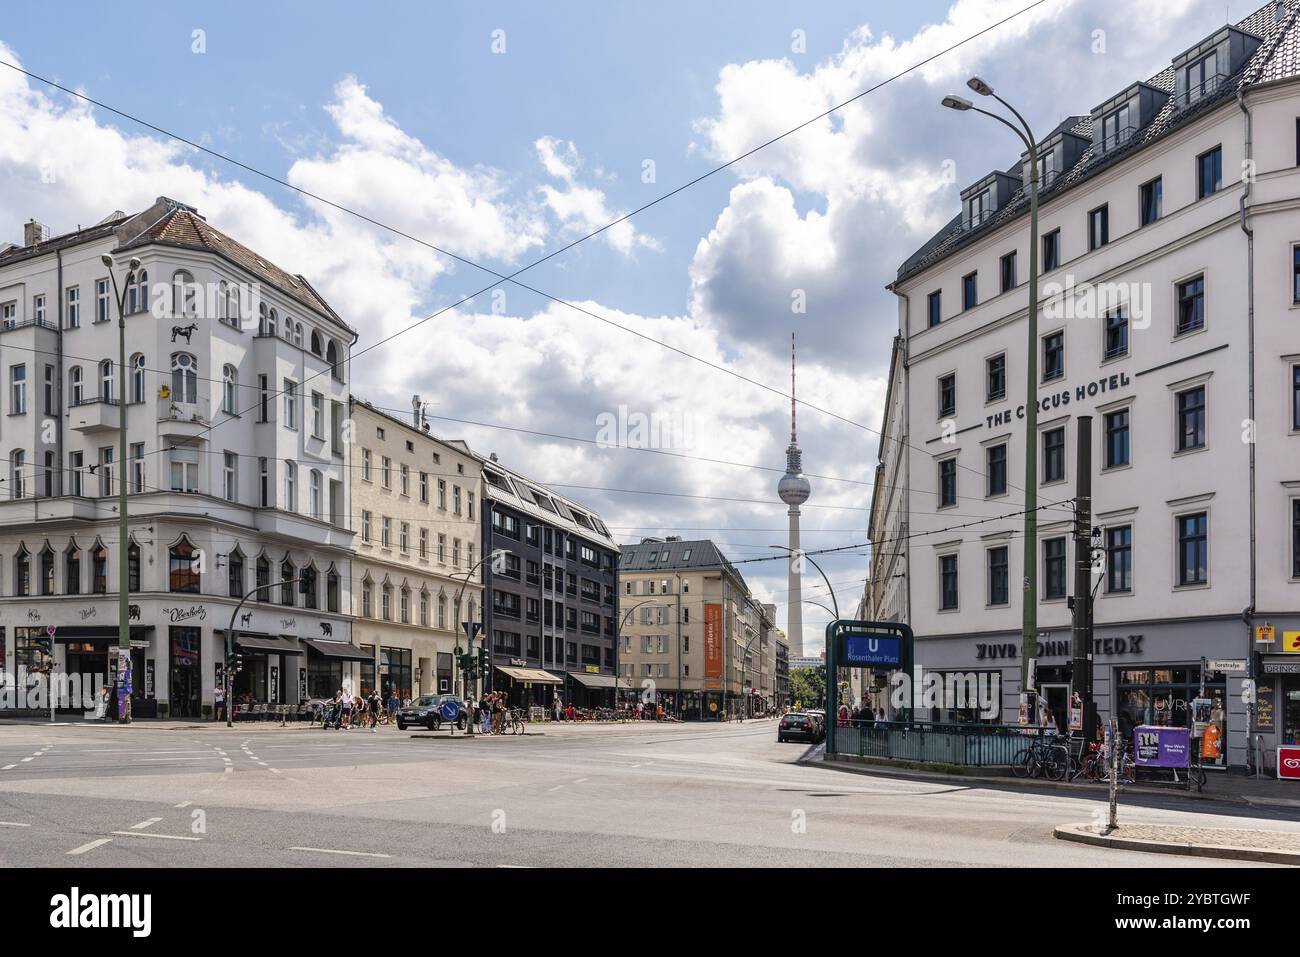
[25, 760]
[143, 824]
[165, 837]
[8, 767]
[91, 846]
[273, 770]
[229, 769]
[331, 850]
[183, 804]
[13, 824]
[556, 788]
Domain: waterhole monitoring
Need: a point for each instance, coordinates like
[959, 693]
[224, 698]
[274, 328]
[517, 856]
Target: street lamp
[469, 633]
[123, 532]
[1029, 610]
[618, 643]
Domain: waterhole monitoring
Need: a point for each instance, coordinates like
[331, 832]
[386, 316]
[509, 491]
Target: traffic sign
[450, 710]
[1229, 665]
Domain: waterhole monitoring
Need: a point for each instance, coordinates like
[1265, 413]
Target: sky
[502, 132]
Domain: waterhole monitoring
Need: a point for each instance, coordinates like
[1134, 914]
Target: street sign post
[51, 630]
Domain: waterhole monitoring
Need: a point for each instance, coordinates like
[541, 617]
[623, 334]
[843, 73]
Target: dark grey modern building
[550, 607]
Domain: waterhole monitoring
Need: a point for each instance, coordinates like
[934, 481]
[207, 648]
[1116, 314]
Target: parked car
[798, 726]
[818, 715]
[427, 711]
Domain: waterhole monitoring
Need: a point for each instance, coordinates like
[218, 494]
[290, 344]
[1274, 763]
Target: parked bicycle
[1048, 757]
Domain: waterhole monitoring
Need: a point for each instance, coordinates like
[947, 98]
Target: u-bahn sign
[863, 644]
[872, 651]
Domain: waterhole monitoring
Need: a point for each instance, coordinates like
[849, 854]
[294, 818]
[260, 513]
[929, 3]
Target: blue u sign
[873, 650]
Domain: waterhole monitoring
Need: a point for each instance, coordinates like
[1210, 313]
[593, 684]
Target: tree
[808, 686]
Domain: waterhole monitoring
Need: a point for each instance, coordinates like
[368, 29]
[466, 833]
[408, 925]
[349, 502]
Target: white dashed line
[273, 770]
[8, 767]
[183, 804]
[91, 846]
[556, 788]
[331, 850]
[13, 824]
[25, 760]
[143, 824]
[581, 781]
[165, 837]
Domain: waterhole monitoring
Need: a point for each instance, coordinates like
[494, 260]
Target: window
[404, 537]
[1191, 305]
[365, 526]
[1193, 549]
[1053, 356]
[1116, 425]
[455, 499]
[106, 471]
[72, 316]
[1119, 559]
[979, 208]
[75, 463]
[1098, 227]
[185, 378]
[137, 377]
[404, 606]
[1295, 397]
[947, 482]
[1209, 172]
[442, 494]
[185, 296]
[17, 474]
[235, 574]
[72, 570]
[51, 400]
[995, 377]
[948, 395]
[934, 302]
[442, 549]
[1295, 538]
[947, 582]
[184, 469]
[1116, 128]
[317, 415]
[229, 385]
[101, 300]
[1150, 200]
[999, 584]
[1054, 455]
[263, 481]
[287, 575]
[290, 486]
[1202, 77]
[230, 476]
[469, 505]
[290, 404]
[181, 573]
[1052, 250]
[1191, 419]
[137, 292]
[424, 543]
[1053, 568]
[18, 389]
[385, 531]
[386, 602]
[106, 380]
[367, 599]
[1295, 274]
[1115, 334]
[404, 478]
[970, 290]
[996, 457]
[1008, 271]
[99, 569]
[365, 465]
[314, 494]
[133, 567]
[38, 309]
[386, 472]
[424, 488]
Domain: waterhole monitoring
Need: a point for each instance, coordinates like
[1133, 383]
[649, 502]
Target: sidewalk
[1224, 786]
[1241, 844]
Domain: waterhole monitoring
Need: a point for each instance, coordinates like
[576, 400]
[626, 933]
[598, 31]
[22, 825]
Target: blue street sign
[872, 650]
[450, 710]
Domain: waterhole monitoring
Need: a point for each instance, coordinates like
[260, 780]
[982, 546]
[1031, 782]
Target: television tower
[794, 491]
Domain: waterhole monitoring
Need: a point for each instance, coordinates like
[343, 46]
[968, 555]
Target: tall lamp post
[618, 642]
[123, 531]
[1029, 610]
[469, 633]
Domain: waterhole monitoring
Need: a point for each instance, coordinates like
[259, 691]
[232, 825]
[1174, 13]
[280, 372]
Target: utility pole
[1081, 632]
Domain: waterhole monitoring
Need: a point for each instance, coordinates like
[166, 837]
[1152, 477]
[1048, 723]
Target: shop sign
[592, 669]
[1263, 634]
[1060, 648]
[1264, 720]
[1157, 746]
[1288, 762]
[275, 683]
[149, 678]
[1291, 642]
[1282, 667]
[192, 613]
[712, 640]
[1080, 394]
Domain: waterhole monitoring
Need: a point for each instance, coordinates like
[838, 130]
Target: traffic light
[484, 661]
[235, 662]
[468, 663]
[46, 644]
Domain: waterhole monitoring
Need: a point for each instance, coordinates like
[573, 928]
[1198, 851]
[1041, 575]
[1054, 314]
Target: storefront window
[395, 671]
[1291, 711]
[1163, 695]
[324, 676]
[185, 675]
[27, 653]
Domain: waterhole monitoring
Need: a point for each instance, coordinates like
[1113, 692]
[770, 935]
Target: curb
[1079, 790]
[1083, 834]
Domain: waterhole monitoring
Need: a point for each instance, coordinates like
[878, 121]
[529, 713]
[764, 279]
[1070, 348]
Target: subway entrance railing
[932, 742]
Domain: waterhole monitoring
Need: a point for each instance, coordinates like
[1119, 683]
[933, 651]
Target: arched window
[222, 302]
[22, 572]
[297, 333]
[142, 282]
[424, 607]
[229, 389]
[72, 569]
[106, 380]
[185, 295]
[99, 568]
[74, 385]
[310, 591]
[235, 573]
[182, 576]
[185, 378]
[287, 585]
[263, 578]
[315, 493]
[264, 320]
[332, 357]
[137, 377]
[367, 597]
[332, 590]
[234, 314]
[442, 611]
[273, 324]
[386, 603]
[133, 567]
[404, 605]
[46, 579]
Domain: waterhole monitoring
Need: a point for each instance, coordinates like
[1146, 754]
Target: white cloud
[583, 209]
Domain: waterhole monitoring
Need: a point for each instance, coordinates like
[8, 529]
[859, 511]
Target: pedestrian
[498, 713]
[394, 702]
[374, 704]
[345, 710]
[219, 701]
[557, 707]
[485, 713]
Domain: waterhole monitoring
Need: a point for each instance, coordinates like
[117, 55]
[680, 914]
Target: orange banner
[712, 641]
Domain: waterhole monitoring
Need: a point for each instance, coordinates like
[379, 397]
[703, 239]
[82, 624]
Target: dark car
[427, 711]
[797, 726]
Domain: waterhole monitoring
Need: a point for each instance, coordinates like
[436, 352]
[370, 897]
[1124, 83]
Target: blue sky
[405, 113]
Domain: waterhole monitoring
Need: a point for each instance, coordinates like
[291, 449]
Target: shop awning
[269, 644]
[97, 634]
[535, 675]
[338, 650]
[596, 681]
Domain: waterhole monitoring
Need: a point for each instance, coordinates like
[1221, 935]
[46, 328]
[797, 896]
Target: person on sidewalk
[345, 703]
[374, 705]
[219, 701]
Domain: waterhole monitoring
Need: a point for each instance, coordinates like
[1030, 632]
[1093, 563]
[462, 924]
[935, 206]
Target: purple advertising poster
[1156, 746]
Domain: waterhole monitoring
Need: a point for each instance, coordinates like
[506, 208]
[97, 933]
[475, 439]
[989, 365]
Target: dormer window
[1048, 169]
[979, 207]
[1116, 128]
[1203, 76]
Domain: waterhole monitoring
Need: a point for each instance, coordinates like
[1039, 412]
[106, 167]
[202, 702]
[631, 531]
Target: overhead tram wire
[511, 277]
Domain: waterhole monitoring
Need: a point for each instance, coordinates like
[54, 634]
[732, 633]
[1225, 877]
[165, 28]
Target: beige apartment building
[415, 502]
[691, 636]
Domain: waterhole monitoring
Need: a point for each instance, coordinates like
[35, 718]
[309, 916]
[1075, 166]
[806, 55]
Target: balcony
[1120, 137]
[1200, 91]
[95, 415]
[180, 420]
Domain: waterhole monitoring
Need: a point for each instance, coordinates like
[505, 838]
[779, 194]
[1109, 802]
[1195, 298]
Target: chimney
[493, 456]
[34, 232]
[416, 410]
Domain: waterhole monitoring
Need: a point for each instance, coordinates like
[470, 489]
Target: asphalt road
[626, 795]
